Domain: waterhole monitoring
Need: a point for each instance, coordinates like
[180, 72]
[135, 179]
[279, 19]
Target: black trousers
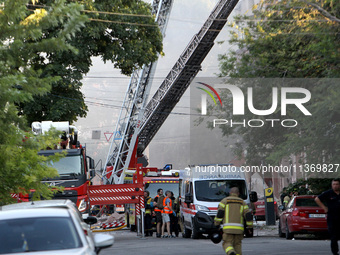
[174, 224]
[334, 233]
[148, 224]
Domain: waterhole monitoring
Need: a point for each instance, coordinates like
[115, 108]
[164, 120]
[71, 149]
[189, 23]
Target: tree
[312, 186]
[288, 39]
[22, 43]
[123, 32]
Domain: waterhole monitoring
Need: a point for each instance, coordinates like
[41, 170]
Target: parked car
[301, 216]
[48, 227]
[260, 210]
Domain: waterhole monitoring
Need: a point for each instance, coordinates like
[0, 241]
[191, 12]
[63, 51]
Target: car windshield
[216, 190]
[38, 234]
[69, 165]
[153, 187]
[306, 202]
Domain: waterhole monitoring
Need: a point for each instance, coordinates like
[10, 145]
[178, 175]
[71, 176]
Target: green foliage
[284, 39]
[312, 186]
[122, 32]
[288, 39]
[22, 42]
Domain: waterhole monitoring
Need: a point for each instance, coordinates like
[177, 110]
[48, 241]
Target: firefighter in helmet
[232, 213]
[149, 205]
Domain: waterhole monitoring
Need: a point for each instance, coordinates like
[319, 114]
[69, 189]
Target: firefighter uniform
[232, 213]
[286, 200]
[148, 216]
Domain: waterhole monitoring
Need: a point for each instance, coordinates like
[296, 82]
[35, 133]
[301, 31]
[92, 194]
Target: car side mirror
[91, 220]
[91, 162]
[282, 207]
[92, 173]
[103, 241]
[188, 198]
[253, 196]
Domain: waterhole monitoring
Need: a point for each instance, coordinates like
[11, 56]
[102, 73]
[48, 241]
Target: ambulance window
[180, 187]
[188, 188]
[216, 190]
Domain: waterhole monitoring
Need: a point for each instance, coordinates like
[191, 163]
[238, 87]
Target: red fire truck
[75, 169]
[141, 118]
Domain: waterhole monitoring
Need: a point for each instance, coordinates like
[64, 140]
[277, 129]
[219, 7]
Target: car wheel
[288, 234]
[194, 232]
[186, 232]
[280, 231]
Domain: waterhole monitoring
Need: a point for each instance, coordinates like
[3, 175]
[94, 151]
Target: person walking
[330, 202]
[158, 211]
[167, 210]
[232, 212]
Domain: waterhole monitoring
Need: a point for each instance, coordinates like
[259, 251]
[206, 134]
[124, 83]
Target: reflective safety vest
[156, 209]
[148, 207]
[286, 200]
[232, 215]
[166, 209]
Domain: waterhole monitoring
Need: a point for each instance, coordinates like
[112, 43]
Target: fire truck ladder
[123, 141]
[183, 72]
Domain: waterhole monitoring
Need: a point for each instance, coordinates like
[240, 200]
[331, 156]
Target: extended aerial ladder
[182, 73]
[123, 140]
[143, 123]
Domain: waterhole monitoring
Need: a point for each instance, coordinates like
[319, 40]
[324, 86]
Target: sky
[104, 89]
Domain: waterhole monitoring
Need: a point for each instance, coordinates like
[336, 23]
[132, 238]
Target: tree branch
[323, 11]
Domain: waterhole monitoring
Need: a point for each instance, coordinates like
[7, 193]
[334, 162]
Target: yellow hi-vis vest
[235, 210]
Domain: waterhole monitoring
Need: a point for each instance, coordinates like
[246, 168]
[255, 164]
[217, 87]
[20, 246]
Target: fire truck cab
[75, 169]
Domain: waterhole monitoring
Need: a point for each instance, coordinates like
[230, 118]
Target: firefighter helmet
[216, 237]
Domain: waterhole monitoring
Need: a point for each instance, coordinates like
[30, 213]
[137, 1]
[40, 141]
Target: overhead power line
[102, 12]
[125, 23]
[120, 14]
[110, 13]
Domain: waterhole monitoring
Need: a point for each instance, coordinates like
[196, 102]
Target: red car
[260, 210]
[301, 216]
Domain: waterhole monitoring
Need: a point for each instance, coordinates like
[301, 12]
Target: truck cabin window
[216, 190]
[70, 165]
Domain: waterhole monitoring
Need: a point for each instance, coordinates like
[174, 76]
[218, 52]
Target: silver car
[48, 227]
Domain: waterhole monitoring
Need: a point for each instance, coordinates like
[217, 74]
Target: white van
[202, 187]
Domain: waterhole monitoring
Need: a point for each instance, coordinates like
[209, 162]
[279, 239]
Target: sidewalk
[261, 229]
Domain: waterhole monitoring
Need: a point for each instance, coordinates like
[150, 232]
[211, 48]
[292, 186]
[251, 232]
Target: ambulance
[202, 187]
